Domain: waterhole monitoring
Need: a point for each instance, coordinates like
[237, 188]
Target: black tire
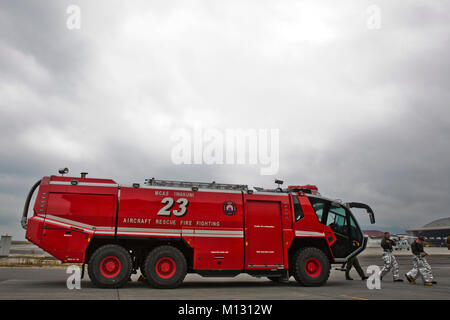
[110, 266]
[165, 267]
[311, 267]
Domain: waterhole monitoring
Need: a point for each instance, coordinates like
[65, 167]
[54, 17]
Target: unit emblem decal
[229, 208]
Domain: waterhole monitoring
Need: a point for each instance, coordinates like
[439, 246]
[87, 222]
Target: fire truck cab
[167, 229]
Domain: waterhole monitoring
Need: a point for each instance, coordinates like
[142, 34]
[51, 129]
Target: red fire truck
[170, 228]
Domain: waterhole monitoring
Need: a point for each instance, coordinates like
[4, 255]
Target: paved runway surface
[50, 283]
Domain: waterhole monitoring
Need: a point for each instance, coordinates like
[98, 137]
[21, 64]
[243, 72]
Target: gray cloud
[362, 113]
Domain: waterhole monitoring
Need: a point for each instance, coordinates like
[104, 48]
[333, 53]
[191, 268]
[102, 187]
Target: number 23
[165, 211]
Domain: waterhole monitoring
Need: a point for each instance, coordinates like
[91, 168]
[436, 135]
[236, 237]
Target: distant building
[435, 232]
[375, 237]
[374, 234]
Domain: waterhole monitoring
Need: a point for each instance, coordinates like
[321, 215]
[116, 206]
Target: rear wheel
[311, 267]
[110, 266]
[165, 267]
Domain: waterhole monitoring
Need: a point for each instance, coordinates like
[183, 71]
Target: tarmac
[50, 283]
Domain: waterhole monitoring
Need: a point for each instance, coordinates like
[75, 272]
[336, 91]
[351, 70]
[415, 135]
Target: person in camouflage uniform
[420, 264]
[390, 263]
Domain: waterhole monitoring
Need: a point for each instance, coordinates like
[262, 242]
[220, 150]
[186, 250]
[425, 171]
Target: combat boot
[410, 279]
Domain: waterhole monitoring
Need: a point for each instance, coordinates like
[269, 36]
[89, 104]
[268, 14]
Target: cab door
[345, 228]
[340, 220]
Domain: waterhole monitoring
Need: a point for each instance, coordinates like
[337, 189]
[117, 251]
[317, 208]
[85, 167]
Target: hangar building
[435, 232]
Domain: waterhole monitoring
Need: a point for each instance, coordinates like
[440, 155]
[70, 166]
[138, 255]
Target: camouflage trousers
[390, 264]
[421, 266]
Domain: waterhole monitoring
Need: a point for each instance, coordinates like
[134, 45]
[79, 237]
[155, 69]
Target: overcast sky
[362, 112]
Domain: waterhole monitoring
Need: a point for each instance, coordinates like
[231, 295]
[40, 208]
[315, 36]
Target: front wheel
[165, 267]
[110, 266]
[311, 267]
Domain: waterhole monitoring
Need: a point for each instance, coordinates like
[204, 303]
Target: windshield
[319, 206]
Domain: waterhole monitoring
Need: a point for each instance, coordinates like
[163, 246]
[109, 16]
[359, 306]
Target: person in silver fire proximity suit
[420, 264]
[390, 263]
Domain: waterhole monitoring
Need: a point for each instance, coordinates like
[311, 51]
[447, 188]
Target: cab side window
[298, 211]
[354, 230]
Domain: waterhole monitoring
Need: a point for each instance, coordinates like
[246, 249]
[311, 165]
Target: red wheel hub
[313, 267]
[166, 267]
[110, 266]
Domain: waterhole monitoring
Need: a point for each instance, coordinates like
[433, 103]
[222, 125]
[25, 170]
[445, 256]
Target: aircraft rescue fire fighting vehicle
[170, 228]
